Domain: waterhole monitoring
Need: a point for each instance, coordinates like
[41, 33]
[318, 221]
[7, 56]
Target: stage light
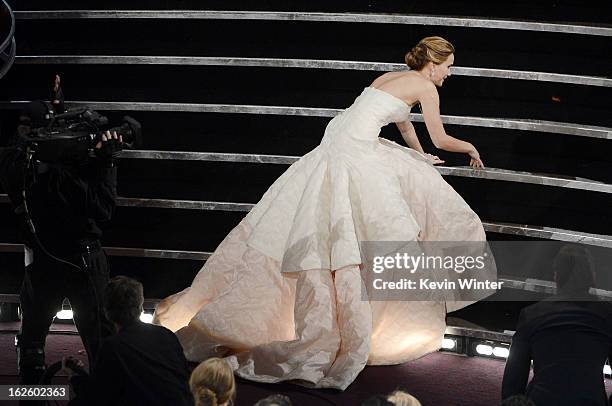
[449, 344]
[484, 349]
[146, 317]
[501, 352]
[607, 370]
[64, 314]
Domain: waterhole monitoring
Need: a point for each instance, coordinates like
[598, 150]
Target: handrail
[543, 232]
[305, 64]
[550, 233]
[582, 130]
[131, 252]
[407, 19]
[462, 171]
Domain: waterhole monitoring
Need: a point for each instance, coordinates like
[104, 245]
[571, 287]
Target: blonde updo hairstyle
[430, 49]
[212, 383]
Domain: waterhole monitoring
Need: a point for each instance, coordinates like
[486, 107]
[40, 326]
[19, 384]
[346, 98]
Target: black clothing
[45, 285]
[12, 161]
[143, 364]
[568, 342]
[66, 203]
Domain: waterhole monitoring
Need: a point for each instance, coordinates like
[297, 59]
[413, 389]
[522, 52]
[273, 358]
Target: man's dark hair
[517, 400]
[274, 400]
[573, 266]
[123, 299]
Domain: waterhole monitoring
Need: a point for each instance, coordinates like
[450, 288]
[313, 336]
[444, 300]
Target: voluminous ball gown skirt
[281, 295]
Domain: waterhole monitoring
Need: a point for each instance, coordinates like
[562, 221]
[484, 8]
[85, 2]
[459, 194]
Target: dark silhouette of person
[517, 400]
[567, 336]
[67, 203]
[143, 364]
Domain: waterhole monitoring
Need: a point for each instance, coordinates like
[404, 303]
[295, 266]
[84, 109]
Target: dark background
[494, 201]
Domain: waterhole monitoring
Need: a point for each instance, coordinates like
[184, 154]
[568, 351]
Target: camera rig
[69, 136]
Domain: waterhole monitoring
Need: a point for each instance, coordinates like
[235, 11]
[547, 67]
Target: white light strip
[484, 349]
[501, 352]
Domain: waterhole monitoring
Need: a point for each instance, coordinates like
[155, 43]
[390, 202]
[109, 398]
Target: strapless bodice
[371, 110]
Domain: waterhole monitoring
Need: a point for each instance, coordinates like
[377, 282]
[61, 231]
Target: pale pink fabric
[281, 295]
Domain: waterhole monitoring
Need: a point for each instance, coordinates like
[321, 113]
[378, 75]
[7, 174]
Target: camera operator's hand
[109, 148]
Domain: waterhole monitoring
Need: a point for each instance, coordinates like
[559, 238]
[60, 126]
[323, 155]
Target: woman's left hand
[433, 159]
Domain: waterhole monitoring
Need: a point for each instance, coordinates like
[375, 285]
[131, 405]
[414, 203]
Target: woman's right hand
[475, 161]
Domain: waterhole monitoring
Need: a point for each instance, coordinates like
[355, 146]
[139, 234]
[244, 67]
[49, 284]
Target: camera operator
[64, 204]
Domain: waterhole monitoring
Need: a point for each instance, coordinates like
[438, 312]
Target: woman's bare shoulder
[409, 86]
[385, 78]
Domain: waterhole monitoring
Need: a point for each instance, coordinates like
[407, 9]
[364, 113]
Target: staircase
[230, 95]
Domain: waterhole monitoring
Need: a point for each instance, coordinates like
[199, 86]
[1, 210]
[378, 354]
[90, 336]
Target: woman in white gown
[281, 295]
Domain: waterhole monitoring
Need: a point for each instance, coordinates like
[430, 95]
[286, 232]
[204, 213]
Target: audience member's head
[573, 268]
[274, 400]
[212, 383]
[401, 398]
[517, 400]
[123, 299]
[378, 400]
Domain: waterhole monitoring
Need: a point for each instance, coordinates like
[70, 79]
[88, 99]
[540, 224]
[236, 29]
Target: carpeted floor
[437, 379]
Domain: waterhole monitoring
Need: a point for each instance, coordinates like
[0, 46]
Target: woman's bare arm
[409, 135]
[430, 105]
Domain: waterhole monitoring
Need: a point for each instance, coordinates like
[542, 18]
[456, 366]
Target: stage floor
[436, 379]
